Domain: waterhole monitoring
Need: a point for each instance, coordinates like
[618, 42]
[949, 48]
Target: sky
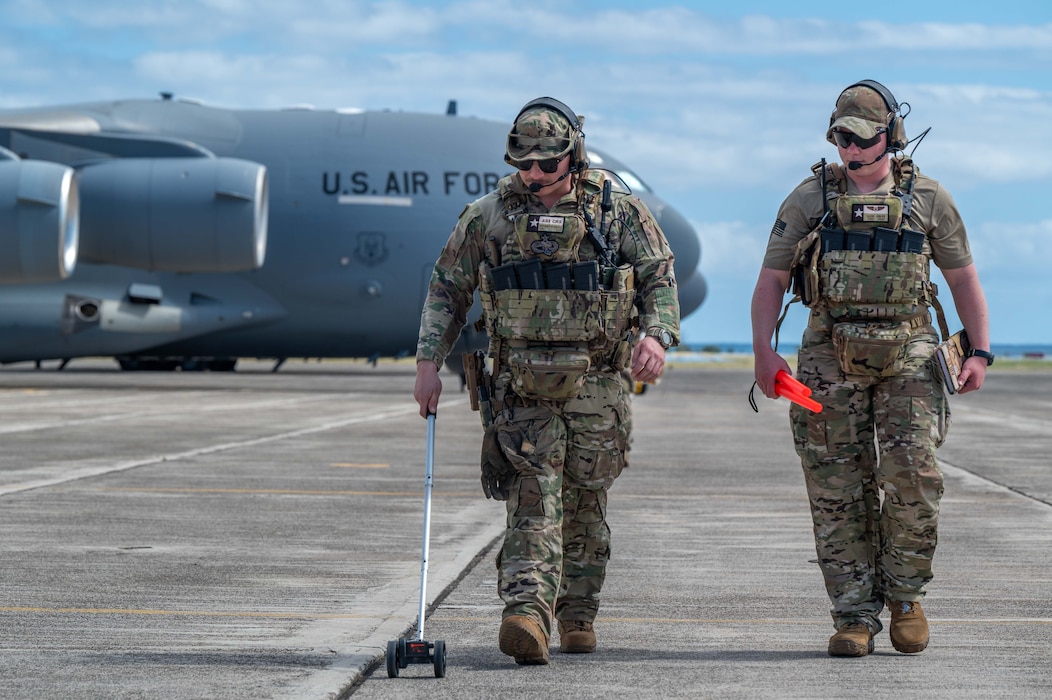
[720, 107]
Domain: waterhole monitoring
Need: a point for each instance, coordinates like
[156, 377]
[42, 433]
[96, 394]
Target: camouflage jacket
[635, 235]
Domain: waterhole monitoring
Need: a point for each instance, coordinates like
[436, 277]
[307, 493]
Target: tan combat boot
[909, 627]
[523, 638]
[853, 639]
[576, 637]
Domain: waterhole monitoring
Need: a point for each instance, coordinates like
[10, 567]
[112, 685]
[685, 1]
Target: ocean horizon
[1006, 350]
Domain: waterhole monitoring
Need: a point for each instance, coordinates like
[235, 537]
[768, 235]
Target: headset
[896, 129]
[580, 155]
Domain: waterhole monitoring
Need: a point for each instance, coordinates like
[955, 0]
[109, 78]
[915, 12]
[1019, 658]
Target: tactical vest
[551, 310]
[862, 262]
[866, 274]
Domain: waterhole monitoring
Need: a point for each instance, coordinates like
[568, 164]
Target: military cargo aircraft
[169, 234]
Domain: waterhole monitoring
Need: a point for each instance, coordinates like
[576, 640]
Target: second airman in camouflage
[855, 243]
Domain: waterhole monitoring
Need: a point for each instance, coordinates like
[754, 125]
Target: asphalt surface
[258, 535]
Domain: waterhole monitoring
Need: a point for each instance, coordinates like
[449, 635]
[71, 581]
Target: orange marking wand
[792, 389]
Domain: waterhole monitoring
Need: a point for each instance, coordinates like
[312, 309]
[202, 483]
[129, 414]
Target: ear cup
[896, 129]
[580, 153]
[897, 134]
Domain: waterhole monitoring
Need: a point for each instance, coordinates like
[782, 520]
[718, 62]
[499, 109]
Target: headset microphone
[536, 187]
[855, 165]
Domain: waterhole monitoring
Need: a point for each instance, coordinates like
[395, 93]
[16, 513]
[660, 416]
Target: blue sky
[721, 107]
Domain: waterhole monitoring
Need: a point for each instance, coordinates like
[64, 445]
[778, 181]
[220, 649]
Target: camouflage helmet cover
[860, 110]
[539, 133]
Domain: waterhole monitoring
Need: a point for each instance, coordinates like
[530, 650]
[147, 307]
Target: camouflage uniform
[871, 549]
[565, 453]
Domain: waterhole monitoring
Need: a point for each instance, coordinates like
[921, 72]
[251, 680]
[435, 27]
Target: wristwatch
[988, 356]
[661, 335]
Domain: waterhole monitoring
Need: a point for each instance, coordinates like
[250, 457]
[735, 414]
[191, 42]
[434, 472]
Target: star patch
[544, 223]
[864, 213]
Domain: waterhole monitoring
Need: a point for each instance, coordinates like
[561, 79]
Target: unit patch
[545, 245]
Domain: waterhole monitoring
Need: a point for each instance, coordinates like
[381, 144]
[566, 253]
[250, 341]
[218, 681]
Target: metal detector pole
[428, 479]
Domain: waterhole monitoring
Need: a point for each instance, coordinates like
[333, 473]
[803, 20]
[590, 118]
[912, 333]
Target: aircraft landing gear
[143, 363]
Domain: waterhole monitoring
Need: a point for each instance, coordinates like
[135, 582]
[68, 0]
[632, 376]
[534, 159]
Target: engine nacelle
[38, 220]
[174, 214]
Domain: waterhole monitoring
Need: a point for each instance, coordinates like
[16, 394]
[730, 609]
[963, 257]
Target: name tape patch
[544, 223]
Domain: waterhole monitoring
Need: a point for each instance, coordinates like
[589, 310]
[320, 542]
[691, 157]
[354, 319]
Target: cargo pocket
[593, 468]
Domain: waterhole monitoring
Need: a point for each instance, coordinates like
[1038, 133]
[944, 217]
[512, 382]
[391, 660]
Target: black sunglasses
[846, 138]
[548, 165]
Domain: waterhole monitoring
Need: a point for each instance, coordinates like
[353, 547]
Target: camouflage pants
[872, 478]
[566, 456]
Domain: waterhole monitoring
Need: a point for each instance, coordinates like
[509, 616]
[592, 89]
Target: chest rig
[862, 261]
[865, 274]
[551, 309]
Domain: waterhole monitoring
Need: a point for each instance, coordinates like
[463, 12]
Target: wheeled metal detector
[402, 652]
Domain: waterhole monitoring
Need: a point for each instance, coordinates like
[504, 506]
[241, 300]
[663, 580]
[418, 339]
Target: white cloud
[732, 249]
[1013, 248]
[722, 116]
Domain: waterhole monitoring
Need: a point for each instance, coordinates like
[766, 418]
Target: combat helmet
[544, 129]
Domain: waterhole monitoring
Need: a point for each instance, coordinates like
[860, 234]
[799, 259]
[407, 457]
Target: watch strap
[988, 356]
[661, 335]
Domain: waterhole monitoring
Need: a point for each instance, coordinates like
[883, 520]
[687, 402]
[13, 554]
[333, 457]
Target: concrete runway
[258, 535]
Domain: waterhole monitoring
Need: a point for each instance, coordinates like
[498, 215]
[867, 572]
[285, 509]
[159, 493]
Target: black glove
[497, 472]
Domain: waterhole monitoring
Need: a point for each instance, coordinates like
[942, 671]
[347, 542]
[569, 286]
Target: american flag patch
[870, 212]
[779, 228]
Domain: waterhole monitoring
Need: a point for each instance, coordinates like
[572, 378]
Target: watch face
[661, 335]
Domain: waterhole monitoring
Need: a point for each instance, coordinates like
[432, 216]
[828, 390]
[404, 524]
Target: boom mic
[855, 165]
[536, 187]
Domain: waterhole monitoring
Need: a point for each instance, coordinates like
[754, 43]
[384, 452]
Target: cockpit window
[627, 178]
[632, 181]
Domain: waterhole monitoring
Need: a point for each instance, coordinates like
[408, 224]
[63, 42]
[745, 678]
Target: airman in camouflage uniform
[559, 342]
[855, 242]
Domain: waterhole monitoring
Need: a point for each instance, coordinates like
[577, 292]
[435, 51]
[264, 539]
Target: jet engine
[174, 214]
[38, 220]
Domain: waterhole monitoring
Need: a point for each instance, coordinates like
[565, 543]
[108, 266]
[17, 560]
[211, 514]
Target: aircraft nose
[686, 246]
[681, 237]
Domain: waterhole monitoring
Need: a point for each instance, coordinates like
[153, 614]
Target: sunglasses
[548, 165]
[846, 138]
